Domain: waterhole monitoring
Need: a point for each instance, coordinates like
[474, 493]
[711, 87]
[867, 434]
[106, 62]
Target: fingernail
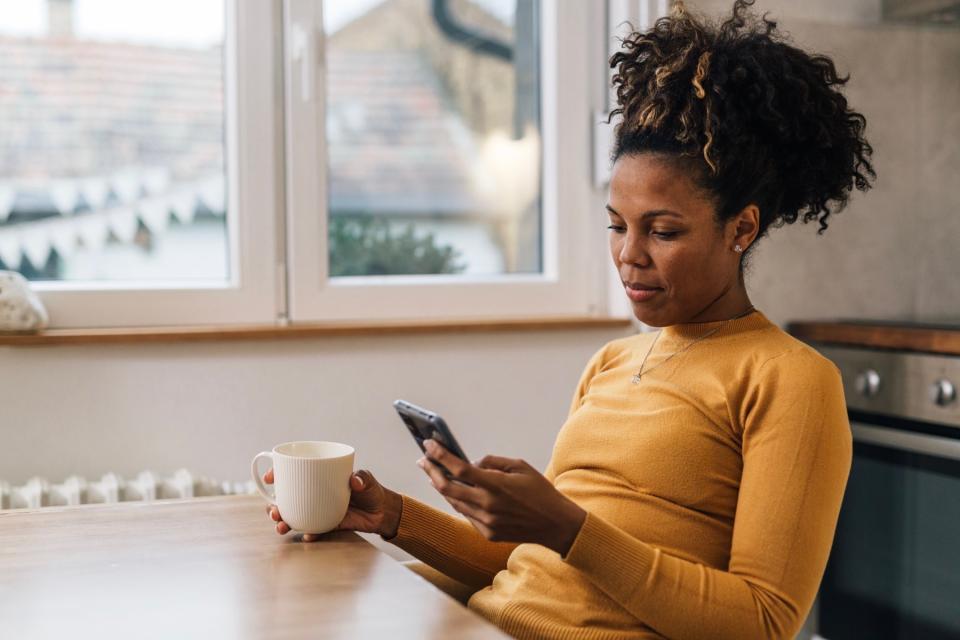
[429, 444]
[360, 480]
[422, 463]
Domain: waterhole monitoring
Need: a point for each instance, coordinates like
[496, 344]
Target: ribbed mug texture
[312, 493]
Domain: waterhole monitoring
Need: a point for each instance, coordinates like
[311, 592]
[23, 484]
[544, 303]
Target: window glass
[112, 140]
[433, 137]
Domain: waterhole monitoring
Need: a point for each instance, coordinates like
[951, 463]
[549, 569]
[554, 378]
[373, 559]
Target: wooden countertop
[880, 335]
[210, 568]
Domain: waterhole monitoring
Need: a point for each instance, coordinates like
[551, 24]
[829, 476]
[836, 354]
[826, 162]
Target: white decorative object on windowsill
[20, 308]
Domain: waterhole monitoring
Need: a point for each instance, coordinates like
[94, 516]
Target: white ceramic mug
[311, 481]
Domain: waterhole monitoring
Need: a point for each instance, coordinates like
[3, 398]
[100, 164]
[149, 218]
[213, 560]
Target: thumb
[365, 492]
[357, 483]
[362, 480]
[499, 463]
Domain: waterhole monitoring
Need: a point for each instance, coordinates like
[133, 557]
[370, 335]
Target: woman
[694, 489]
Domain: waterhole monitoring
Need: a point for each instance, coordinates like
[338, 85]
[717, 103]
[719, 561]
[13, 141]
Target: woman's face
[676, 264]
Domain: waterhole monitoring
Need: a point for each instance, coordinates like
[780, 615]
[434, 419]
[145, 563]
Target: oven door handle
[907, 441]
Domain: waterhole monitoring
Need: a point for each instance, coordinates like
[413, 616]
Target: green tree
[365, 246]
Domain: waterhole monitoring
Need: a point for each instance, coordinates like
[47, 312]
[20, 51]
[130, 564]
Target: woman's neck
[730, 303]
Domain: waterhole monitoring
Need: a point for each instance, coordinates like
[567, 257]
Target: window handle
[303, 52]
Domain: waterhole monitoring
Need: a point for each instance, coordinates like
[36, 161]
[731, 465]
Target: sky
[147, 21]
[162, 21]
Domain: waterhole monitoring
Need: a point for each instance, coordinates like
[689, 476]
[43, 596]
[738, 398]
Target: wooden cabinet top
[922, 337]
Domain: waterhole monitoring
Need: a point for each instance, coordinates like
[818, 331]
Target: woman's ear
[744, 227]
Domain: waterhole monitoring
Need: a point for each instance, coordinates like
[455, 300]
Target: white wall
[892, 253]
[210, 407]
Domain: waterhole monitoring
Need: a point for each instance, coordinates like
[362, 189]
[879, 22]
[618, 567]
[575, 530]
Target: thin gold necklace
[636, 378]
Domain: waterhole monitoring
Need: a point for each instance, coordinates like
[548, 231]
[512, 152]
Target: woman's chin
[648, 316]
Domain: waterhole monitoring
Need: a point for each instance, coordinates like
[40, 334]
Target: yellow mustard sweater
[712, 489]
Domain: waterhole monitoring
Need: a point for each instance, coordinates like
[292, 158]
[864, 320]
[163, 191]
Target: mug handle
[258, 481]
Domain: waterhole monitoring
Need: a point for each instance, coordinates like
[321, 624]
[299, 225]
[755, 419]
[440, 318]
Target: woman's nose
[633, 251]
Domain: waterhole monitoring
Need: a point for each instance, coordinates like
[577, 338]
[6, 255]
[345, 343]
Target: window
[433, 138]
[428, 177]
[127, 189]
[113, 165]
[310, 161]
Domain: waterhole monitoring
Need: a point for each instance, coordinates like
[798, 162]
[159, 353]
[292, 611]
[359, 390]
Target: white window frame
[572, 282]
[253, 161]
[277, 200]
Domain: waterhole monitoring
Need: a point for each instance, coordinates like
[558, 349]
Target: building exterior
[112, 154]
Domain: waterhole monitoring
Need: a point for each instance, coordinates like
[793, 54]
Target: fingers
[489, 524]
[472, 511]
[361, 480]
[268, 477]
[450, 489]
[458, 468]
[482, 528]
[499, 463]
[283, 528]
[356, 483]
[274, 513]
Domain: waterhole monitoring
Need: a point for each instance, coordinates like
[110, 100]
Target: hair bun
[756, 119]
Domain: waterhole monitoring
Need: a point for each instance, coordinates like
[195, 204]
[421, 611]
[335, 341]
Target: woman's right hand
[373, 508]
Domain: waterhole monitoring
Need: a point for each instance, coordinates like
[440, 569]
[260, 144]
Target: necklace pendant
[635, 379]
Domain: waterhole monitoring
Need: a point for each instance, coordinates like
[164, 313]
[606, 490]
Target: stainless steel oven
[894, 569]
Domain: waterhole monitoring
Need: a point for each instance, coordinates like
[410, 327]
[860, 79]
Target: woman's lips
[640, 294]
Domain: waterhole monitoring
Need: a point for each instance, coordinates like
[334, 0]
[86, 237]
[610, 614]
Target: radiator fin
[146, 486]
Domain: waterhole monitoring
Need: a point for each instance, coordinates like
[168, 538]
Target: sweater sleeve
[797, 451]
[449, 544]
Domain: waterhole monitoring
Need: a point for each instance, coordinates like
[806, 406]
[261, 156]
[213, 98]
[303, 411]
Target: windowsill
[222, 333]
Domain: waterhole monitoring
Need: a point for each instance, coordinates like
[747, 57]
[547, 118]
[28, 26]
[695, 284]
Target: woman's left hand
[509, 501]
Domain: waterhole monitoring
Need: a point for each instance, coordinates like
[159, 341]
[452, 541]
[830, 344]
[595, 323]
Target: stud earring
[738, 249]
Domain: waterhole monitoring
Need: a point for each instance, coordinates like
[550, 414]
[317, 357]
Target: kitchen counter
[924, 337]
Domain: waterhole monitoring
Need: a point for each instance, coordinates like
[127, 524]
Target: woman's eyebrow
[648, 214]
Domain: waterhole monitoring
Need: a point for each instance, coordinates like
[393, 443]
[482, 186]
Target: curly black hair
[756, 119]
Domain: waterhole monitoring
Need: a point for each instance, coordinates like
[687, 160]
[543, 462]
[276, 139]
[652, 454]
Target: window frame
[571, 285]
[253, 166]
[276, 185]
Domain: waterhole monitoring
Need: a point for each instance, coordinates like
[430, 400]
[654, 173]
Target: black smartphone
[424, 424]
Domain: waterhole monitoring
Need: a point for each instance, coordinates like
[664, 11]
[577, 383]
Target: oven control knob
[942, 392]
[868, 383]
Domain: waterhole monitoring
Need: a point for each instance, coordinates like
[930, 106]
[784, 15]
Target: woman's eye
[660, 234]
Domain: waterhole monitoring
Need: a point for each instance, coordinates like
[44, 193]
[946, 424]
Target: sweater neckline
[692, 330]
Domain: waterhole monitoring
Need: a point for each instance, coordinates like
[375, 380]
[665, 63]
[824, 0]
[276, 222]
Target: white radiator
[39, 492]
